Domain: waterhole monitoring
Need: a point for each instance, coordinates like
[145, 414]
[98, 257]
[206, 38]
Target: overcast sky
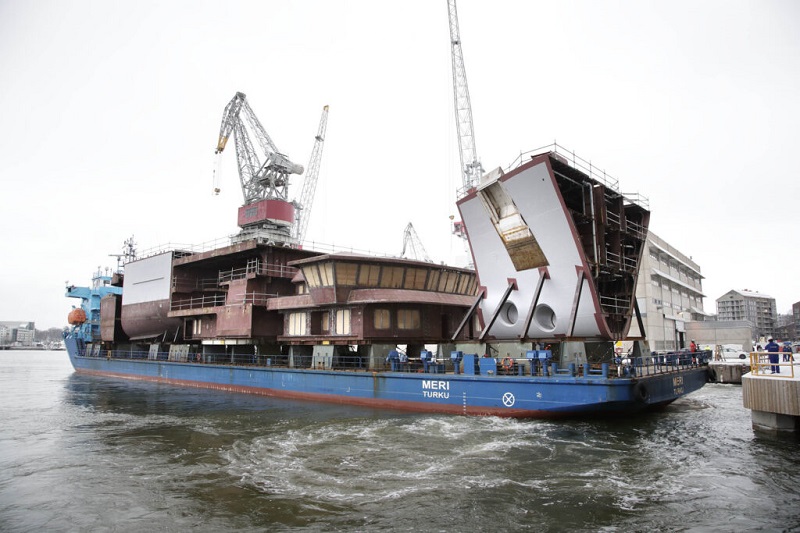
[111, 112]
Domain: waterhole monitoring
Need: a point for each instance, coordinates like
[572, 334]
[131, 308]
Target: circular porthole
[509, 314]
[545, 317]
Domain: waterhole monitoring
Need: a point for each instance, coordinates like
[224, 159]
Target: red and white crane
[264, 173]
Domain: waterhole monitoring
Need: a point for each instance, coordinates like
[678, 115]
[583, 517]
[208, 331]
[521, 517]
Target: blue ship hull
[507, 396]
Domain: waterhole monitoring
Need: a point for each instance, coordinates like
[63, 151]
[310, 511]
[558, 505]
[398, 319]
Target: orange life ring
[508, 364]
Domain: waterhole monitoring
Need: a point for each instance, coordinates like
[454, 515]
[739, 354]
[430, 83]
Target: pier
[773, 398]
[727, 371]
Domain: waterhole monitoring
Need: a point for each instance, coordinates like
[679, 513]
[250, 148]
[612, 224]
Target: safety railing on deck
[781, 366]
[568, 157]
[183, 249]
[197, 302]
[622, 367]
[661, 363]
[218, 300]
[255, 298]
[621, 262]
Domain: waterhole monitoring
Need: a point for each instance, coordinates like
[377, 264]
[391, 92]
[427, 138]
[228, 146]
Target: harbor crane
[267, 212]
[310, 184]
[267, 179]
[413, 245]
[471, 168]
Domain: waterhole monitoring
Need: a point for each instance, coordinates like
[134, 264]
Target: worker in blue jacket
[773, 348]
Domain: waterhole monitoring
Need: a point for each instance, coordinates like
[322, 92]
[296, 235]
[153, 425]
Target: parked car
[733, 352]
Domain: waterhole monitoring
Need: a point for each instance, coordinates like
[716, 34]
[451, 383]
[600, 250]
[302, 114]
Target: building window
[381, 319]
[368, 275]
[297, 324]
[447, 282]
[311, 273]
[326, 274]
[433, 281]
[342, 322]
[392, 277]
[346, 274]
[415, 278]
[408, 319]
[197, 327]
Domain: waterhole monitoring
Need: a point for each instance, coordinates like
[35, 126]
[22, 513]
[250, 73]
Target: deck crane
[303, 206]
[471, 169]
[265, 179]
[413, 244]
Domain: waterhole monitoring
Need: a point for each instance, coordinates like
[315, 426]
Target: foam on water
[79, 453]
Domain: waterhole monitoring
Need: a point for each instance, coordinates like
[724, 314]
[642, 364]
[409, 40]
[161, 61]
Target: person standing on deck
[787, 352]
[773, 349]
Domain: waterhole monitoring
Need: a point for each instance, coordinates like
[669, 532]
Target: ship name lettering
[435, 385]
[435, 394]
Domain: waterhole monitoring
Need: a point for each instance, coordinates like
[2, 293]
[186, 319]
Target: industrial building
[669, 294]
[17, 333]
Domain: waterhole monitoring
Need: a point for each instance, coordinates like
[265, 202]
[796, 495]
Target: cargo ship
[528, 331]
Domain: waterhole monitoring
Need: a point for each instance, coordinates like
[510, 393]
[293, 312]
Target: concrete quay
[773, 398]
[727, 371]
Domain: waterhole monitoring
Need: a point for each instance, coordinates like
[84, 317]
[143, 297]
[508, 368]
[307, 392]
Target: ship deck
[653, 365]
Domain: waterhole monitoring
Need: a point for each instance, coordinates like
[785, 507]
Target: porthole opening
[545, 317]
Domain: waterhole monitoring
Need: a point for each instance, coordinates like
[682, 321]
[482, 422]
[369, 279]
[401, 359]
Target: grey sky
[111, 112]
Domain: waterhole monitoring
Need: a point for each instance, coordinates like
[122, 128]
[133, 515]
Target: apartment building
[759, 309]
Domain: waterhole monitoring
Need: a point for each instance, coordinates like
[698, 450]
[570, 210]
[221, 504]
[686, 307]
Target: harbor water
[80, 453]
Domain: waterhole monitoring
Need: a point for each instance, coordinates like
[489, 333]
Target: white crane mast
[471, 169]
[303, 206]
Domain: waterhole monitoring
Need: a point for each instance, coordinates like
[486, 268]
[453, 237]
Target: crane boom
[471, 169]
[310, 185]
[260, 180]
[413, 244]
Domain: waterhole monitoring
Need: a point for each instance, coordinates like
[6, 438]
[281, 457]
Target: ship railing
[277, 271]
[255, 298]
[197, 302]
[207, 283]
[760, 365]
[620, 261]
[186, 285]
[569, 157]
[225, 276]
[635, 229]
[255, 267]
[614, 304]
[183, 249]
[661, 363]
[623, 367]
[614, 260]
